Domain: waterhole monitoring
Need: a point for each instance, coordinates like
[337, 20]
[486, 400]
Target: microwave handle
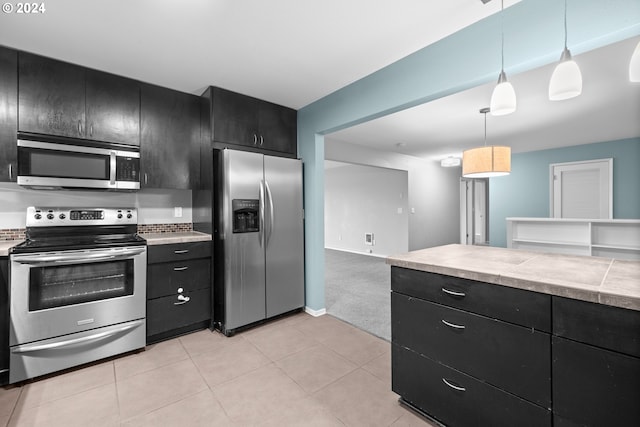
[112, 171]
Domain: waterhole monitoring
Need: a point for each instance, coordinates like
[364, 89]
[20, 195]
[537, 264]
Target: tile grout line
[15, 405]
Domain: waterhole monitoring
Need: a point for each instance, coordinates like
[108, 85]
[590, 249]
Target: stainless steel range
[77, 289]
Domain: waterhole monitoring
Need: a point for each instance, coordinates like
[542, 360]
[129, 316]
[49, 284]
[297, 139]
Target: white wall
[365, 199]
[433, 191]
[154, 206]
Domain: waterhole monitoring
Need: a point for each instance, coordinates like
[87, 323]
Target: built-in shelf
[611, 238]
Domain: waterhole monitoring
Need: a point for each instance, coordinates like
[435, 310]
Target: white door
[582, 189]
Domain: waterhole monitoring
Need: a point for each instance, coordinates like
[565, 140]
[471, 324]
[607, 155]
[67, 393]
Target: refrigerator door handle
[271, 217]
[261, 196]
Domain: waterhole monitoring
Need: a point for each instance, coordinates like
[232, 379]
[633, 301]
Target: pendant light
[566, 80]
[503, 98]
[486, 162]
[634, 65]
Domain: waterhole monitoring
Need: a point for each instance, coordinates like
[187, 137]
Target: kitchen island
[494, 336]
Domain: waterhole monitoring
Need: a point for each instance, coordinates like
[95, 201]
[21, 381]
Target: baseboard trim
[315, 313]
[357, 252]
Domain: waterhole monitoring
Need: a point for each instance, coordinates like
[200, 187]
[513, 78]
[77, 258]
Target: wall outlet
[399, 210]
[177, 212]
[339, 236]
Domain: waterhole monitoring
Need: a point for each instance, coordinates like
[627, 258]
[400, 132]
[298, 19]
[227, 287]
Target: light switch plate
[177, 212]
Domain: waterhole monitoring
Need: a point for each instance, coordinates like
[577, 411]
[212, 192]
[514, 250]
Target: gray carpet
[357, 290]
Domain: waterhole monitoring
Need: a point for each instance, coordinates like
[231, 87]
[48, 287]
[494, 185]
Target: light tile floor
[295, 371]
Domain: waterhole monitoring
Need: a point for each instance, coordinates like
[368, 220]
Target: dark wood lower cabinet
[459, 364]
[179, 296]
[457, 399]
[169, 314]
[593, 386]
[508, 356]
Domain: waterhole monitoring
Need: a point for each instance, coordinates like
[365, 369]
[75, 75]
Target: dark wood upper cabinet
[8, 113]
[278, 127]
[113, 108]
[170, 138]
[250, 122]
[62, 99]
[234, 117]
[51, 96]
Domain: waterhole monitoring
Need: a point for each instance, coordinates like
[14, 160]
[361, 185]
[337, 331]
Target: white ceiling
[293, 52]
[608, 109]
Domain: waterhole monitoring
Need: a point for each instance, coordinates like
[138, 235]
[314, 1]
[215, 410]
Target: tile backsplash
[18, 233]
[165, 228]
[12, 234]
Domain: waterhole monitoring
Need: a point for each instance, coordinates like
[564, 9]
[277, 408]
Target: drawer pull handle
[182, 300]
[453, 386]
[180, 268]
[181, 251]
[453, 325]
[454, 293]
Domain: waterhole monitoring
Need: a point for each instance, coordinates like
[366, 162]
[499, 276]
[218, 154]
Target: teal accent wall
[526, 191]
[534, 36]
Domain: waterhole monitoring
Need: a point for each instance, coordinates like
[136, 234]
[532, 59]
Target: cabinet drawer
[164, 279]
[593, 386]
[421, 382]
[511, 357]
[166, 313]
[178, 251]
[530, 309]
[601, 325]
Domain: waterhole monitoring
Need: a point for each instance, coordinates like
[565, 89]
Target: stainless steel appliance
[62, 164]
[258, 231]
[77, 289]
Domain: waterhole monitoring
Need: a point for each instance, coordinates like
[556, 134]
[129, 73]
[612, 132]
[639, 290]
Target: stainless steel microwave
[52, 165]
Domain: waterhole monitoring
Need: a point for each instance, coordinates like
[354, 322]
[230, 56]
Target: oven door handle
[74, 341]
[76, 258]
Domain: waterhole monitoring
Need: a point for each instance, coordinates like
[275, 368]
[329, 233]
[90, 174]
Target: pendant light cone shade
[634, 65]
[486, 162]
[503, 98]
[566, 80]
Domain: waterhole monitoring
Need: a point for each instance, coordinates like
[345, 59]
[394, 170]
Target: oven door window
[57, 286]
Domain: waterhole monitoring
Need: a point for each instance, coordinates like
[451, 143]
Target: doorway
[474, 211]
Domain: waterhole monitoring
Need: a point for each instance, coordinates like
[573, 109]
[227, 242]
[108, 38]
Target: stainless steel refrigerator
[259, 238]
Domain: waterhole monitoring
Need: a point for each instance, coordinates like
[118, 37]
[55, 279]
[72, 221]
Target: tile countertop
[5, 245]
[607, 281]
[178, 237]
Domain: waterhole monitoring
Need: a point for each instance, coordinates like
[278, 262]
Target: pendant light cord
[485, 128]
[502, 34]
[565, 24]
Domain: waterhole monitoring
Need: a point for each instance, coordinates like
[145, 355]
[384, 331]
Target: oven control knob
[119, 216]
[62, 216]
[38, 216]
[50, 216]
[129, 216]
